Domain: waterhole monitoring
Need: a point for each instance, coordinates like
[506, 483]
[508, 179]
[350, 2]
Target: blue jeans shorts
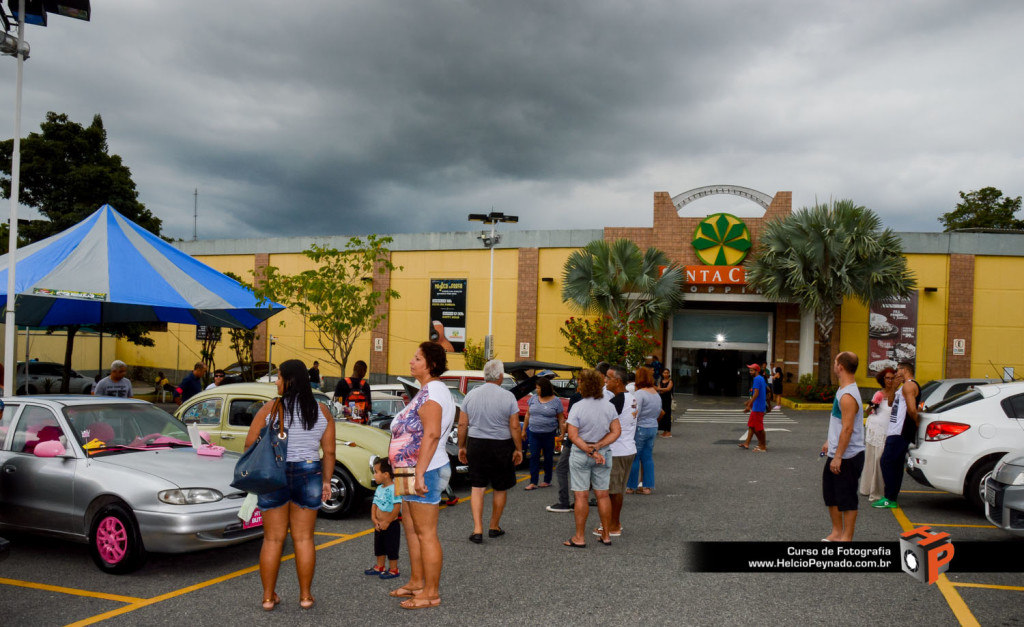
[437, 481]
[304, 487]
[585, 473]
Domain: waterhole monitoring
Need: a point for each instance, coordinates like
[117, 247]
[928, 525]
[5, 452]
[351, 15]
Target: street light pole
[492, 218]
[12, 233]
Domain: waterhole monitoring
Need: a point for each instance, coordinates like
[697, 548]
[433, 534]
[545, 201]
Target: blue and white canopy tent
[107, 269]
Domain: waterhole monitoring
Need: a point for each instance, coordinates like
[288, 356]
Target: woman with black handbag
[310, 428]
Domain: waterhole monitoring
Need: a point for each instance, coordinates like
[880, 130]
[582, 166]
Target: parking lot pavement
[707, 490]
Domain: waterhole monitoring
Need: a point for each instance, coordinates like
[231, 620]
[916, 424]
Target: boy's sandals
[643, 490]
[404, 592]
[419, 604]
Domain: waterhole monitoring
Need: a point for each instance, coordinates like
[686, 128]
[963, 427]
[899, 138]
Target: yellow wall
[930, 271]
[551, 311]
[998, 336]
[409, 320]
[51, 348]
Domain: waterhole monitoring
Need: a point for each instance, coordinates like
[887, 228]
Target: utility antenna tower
[195, 215]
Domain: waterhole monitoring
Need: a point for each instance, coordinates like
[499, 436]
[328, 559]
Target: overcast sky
[352, 117]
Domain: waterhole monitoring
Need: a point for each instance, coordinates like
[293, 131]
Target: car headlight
[1019, 479]
[189, 496]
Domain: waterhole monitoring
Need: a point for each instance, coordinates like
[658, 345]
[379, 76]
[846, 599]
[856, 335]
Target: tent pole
[27, 331]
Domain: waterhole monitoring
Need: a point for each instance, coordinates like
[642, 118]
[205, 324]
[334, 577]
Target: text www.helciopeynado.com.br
[792, 557]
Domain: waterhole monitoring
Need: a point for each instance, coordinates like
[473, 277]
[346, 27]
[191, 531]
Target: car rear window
[1013, 407]
[961, 399]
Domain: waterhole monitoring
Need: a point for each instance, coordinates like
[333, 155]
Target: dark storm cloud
[355, 117]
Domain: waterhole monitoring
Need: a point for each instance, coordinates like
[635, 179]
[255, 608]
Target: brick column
[259, 344]
[379, 359]
[960, 314]
[526, 305]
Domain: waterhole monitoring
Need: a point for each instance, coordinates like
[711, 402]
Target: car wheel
[114, 541]
[974, 489]
[343, 495]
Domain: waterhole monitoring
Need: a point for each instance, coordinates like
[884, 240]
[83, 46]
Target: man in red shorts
[756, 405]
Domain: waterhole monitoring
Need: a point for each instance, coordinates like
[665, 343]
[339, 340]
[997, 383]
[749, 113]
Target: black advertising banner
[448, 313]
[892, 333]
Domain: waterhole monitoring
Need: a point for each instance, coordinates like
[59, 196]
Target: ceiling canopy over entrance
[686, 198]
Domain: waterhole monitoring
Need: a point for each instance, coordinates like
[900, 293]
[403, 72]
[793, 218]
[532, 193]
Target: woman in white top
[295, 506]
[871, 483]
[418, 434]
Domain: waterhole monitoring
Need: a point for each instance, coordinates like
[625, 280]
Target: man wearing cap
[756, 406]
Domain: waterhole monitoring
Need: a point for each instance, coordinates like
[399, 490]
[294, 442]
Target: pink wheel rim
[111, 540]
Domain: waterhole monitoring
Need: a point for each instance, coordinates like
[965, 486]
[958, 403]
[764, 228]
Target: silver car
[44, 377]
[118, 474]
[1004, 494]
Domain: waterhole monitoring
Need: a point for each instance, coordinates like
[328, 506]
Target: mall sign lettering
[716, 275]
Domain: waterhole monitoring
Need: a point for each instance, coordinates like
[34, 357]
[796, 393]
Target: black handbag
[261, 469]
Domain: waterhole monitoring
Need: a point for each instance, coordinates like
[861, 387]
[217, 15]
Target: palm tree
[820, 255]
[618, 279]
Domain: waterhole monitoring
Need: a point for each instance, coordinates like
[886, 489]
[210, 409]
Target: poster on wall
[892, 333]
[448, 313]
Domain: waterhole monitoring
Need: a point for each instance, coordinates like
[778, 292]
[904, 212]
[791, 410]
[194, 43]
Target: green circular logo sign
[721, 240]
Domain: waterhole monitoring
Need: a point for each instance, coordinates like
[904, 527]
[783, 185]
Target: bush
[810, 390]
[474, 355]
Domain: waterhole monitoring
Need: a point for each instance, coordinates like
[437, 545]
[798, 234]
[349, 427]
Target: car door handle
[227, 437]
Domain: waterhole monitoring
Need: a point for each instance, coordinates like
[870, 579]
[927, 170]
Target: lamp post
[19, 48]
[489, 241]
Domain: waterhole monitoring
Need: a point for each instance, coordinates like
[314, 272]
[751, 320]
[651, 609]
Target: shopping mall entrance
[711, 349]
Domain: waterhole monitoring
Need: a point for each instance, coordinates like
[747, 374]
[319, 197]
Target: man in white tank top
[845, 451]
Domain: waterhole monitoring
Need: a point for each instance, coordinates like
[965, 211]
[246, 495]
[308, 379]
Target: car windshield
[99, 427]
[957, 400]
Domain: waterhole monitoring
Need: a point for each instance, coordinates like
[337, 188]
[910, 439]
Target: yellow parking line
[990, 586]
[333, 535]
[954, 525]
[74, 591]
[953, 599]
[141, 603]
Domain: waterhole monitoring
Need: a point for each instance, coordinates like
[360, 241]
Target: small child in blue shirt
[387, 532]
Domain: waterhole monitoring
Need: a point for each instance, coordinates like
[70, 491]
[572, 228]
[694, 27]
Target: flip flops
[420, 604]
[569, 543]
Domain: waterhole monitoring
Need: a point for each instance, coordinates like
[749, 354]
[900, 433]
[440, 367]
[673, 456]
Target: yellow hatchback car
[226, 411]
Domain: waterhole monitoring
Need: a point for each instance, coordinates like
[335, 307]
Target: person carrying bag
[261, 469]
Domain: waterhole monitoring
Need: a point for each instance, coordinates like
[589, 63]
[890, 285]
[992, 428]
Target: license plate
[255, 521]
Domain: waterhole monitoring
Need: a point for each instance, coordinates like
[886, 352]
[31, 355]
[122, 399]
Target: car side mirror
[50, 448]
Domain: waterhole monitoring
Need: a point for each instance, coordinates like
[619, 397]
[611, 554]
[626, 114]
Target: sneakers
[559, 508]
[389, 574]
[884, 503]
[374, 571]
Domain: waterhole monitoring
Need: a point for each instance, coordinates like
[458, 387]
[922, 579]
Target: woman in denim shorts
[310, 428]
[418, 434]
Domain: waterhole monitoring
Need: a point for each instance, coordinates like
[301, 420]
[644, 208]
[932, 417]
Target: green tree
[335, 298]
[820, 255]
[620, 280]
[67, 174]
[242, 340]
[474, 355]
[617, 341]
[985, 208]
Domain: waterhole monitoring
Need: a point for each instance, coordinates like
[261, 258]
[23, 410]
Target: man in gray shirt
[490, 442]
[117, 384]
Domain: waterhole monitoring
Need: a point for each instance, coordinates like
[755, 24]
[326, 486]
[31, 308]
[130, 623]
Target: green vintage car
[226, 411]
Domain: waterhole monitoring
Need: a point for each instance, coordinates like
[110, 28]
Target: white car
[44, 377]
[961, 439]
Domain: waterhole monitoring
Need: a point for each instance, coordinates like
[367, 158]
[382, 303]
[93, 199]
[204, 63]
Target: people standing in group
[117, 383]
[314, 376]
[844, 451]
[387, 534]
[757, 406]
[875, 431]
[623, 449]
[648, 414]
[544, 418]
[294, 507]
[664, 387]
[192, 384]
[418, 434]
[218, 379]
[491, 444]
[903, 421]
[355, 390]
[593, 426]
